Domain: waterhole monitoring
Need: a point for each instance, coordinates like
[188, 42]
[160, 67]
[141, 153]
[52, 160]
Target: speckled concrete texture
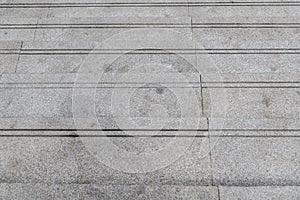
[160, 99]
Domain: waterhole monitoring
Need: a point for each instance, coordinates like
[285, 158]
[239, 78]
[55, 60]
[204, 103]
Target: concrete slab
[169, 192]
[217, 9]
[99, 29]
[66, 160]
[255, 161]
[249, 79]
[36, 102]
[234, 18]
[36, 123]
[247, 54]
[57, 102]
[259, 193]
[13, 29]
[19, 12]
[9, 54]
[254, 61]
[49, 63]
[41, 191]
[244, 60]
[246, 37]
[254, 127]
[92, 191]
[257, 103]
[114, 78]
[241, 61]
[94, 8]
[51, 59]
[111, 125]
[233, 30]
[47, 160]
[191, 169]
[118, 11]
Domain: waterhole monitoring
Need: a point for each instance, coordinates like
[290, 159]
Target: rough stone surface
[57, 102]
[198, 100]
[94, 191]
[255, 161]
[81, 33]
[246, 12]
[12, 32]
[9, 55]
[66, 160]
[256, 103]
[260, 193]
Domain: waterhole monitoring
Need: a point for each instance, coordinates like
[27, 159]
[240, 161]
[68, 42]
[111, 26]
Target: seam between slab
[35, 30]
[219, 196]
[191, 19]
[210, 155]
[18, 59]
[192, 33]
[48, 12]
[201, 93]
[150, 4]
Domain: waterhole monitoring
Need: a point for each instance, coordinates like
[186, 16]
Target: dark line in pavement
[208, 49]
[104, 130]
[252, 87]
[145, 53]
[148, 25]
[148, 51]
[89, 87]
[139, 53]
[149, 4]
[145, 87]
[100, 82]
[152, 136]
[136, 130]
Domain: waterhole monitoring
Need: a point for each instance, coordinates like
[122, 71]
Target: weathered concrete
[257, 102]
[9, 55]
[66, 160]
[12, 29]
[255, 161]
[104, 28]
[158, 84]
[260, 193]
[94, 191]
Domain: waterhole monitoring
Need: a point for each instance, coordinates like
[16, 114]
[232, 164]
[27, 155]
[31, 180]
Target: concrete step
[254, 64]
[57, 102]
[93, 9]
[228, 33]
[43, 61]
[242, 161]
[236, 161]
[160, 130]
[264, 99]
[71, 160]
[259, 193]
[152, 8]
[280, 103]
[255, 127]
[84, 29]
[94, 191]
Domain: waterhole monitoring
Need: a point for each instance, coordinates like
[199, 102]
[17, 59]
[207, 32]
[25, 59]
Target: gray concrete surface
[66, 160]
[207, 92]
[256, 161]
[258, 102]
[265, 192]
[94, 191]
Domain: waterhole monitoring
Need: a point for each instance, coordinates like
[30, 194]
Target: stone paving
[105, 99]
